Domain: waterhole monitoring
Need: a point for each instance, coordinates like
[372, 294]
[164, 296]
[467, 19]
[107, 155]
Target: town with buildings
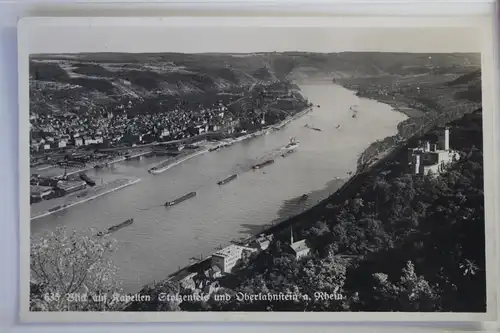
[77, 141]
[117, 128]
[123, 125]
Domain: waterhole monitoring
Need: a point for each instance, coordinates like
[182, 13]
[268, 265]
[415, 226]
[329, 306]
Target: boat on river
[291, 145]
[313, 128]
[181, 199]
[288, 152]
[354, 109]
[263, 164]
[227, 180]
[116, 227]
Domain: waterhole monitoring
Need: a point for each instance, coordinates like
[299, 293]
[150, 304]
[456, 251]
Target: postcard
[256, 169]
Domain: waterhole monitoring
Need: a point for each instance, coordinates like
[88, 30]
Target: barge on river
[291, 145]
[227, 180]
[181, 199]
[313, 128]
[263, 164]
[285, 154]
[115, 227]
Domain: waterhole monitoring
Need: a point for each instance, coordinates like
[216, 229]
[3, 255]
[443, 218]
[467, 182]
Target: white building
[40, 191]
[87, 140]
[165, 133]
[229, 256]
[432, 158]
[71, 186]
[299, 248]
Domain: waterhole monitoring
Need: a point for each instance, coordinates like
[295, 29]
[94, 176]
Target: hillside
[71, 81]
[428, 100]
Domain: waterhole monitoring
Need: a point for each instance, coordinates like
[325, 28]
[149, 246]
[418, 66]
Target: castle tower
[446, 139]
[416, 164]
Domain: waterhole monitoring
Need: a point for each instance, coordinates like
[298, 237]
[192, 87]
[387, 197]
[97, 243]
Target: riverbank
[171, 162]
[57, 171]
[87, 195]
[427, 101]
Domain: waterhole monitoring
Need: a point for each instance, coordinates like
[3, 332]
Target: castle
[432, 158]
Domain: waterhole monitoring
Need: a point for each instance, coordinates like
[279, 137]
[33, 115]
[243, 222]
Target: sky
[252, 39]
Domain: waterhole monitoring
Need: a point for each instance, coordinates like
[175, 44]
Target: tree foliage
[410, 293]
[72, 272]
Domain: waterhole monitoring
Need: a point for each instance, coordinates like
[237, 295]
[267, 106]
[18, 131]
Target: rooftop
[230, 251]
[299, 246]
[70, 184]
[39, 189]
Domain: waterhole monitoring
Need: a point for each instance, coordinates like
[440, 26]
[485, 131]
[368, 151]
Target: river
[162, 239]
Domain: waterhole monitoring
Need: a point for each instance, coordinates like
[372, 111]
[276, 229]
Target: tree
[72, 272]
[410, 293]
[323, 281]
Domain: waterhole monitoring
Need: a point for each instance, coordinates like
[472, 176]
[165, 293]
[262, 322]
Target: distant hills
[111, 76]
[471, 86]
[467, 78]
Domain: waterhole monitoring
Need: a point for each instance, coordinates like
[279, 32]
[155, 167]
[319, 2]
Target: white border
[485, 23]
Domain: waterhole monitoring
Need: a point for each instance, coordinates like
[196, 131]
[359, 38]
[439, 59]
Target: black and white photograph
[305, 169]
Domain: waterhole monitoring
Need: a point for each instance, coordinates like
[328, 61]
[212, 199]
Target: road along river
[163, 239]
